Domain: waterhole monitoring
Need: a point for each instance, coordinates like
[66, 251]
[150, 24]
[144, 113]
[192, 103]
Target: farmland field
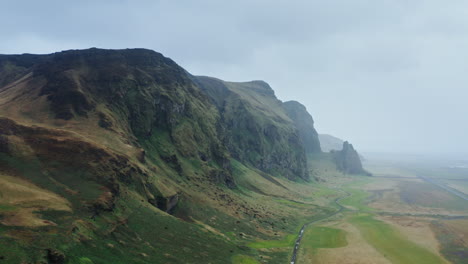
[392, 217]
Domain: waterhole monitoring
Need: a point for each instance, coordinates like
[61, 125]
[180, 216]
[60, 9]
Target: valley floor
[392, 218]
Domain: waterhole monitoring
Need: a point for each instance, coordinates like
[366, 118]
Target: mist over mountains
[391, 90]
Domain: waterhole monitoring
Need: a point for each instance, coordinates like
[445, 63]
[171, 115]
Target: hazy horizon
[388, 76]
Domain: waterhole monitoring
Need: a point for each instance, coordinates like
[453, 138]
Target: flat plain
[394, 217]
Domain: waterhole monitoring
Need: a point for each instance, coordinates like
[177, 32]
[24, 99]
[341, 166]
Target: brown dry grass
[391, 202]
[380, 184]
[358, 251]
[459, 227]
[26, 198]
[21, 101]
[386, 169]
[417, 230]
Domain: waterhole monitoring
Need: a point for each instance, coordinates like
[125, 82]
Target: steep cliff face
[347, 160]
[137, 94]
[305, 125]
[329, 142]
[121, 156]
[99, 143]
[257, 128]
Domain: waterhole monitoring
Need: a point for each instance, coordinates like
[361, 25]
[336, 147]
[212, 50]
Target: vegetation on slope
[257, 128]
[122, 158]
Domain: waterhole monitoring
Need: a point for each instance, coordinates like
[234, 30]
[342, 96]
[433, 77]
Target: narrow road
[301, 233]
[445, 187]
[341, 208]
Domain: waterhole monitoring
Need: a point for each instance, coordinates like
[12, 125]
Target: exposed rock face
[55, 257]
[305, 125]
[126, 137]
[166, 204]
[143, 95]
[256, 128]
[329, 143]
[347, 160]
[138, 92]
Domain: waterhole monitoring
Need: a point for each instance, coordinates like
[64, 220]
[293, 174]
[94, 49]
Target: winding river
[301, 233]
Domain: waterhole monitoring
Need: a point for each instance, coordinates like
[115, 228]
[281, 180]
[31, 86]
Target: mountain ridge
[138, 149]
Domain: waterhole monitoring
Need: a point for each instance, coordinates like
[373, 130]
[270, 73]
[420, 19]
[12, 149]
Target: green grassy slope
[119, 157]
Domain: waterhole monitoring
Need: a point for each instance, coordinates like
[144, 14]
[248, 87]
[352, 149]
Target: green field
[324, 237]
[242, 259]
[288, 241]
[391, 244]
[381, 239]
[356, 200]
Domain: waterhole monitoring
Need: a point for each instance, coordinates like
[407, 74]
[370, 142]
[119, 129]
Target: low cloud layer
[386, 75]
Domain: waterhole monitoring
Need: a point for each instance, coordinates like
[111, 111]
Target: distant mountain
[329, 142]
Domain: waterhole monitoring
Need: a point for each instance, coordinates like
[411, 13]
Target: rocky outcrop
[55, 257]
[256, 128]
[329, 143]
[166, 204]
[347, 160]
[305, 125]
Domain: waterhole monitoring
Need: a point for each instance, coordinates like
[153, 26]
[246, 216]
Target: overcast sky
[385, 75]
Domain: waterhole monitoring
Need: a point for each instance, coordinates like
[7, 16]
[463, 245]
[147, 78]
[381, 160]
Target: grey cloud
[388, 75]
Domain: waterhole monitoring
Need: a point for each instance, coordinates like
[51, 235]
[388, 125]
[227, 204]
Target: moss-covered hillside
[121, 156]
[257, 128]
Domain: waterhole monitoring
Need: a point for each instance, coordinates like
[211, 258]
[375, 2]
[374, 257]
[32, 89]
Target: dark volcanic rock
[166, 204]
[55, 257]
